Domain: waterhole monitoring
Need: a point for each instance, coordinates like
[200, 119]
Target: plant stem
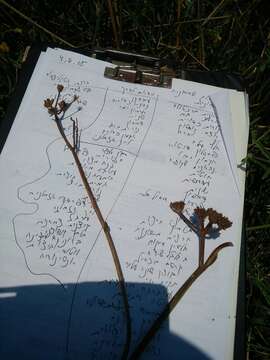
[178, 211]
[188, 222]
[201, 247]
[174, 301]
[112, 16]
[106, 230]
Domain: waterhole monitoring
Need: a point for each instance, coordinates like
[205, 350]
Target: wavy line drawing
[34, 203]
[52, 148]
[33, 212]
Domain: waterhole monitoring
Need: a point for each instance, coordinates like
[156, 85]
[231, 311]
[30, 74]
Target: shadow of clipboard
[214, 78]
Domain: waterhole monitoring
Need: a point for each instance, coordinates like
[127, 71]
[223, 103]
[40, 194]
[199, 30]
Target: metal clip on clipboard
[136, 68]
[147, 70]
[133, 75]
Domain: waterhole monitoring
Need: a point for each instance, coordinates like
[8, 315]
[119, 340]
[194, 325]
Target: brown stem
[188, 223]
[201, 235]
[107, 233]
[178, 207]
[174, 301]
[57, 99]
[115, 33]
[77, 136]
[73, 132]
[179, 5]
[208, 227]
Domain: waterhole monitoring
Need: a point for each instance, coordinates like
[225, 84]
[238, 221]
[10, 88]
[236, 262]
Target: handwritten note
[141, 148]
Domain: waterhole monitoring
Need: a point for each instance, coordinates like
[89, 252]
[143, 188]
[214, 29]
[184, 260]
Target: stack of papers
[141, 147]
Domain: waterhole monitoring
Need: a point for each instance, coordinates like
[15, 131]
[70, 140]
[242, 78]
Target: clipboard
[144, 70]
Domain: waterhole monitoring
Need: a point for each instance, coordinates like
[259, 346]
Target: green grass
[228, 35]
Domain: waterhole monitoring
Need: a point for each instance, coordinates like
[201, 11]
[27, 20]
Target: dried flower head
[63, 105]
[213, 215]
[177, 206]
[48, 103]
[60, 88]
[60, 107]
[219, 219]
[201, 213]
[224, 223]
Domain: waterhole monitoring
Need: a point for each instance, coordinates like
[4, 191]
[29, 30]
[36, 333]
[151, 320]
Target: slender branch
[213, 12]
[174, 301]
[175, 207]
[73, 133]
[77, 136]
[106, 231]
[57, 99]
[188, 223]
[201, 248]
[214, 254]
[179, 8]
[115, 33]
[208, 227]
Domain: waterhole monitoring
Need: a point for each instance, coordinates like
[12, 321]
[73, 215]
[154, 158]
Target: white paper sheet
[141, 148]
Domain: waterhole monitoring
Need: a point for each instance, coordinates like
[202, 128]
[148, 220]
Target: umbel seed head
[201, 213]
[177, 206]
[219, 219]
[58, 106]
[48, 103]
[60, 87]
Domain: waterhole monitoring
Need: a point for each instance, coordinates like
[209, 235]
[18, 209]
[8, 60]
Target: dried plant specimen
[208, 222]
[57, 108]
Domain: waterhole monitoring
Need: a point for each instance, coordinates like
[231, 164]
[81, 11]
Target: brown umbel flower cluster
[213, 217]
[220, 220]
[56, 107]
[208, 221]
